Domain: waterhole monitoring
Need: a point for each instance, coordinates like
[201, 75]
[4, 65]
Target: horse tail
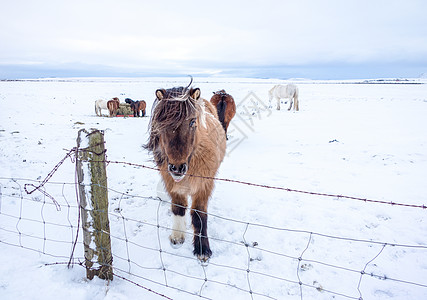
[142, 107]
[296, 101]
[109, 107]
[221, 108]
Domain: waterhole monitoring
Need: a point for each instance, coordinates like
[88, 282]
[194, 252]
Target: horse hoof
[203, 259]
[203, 255]
[176, 242]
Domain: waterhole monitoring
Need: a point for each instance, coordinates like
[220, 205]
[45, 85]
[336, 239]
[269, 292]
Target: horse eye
[192, 122]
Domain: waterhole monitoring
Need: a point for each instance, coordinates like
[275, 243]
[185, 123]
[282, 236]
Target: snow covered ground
[361, 140]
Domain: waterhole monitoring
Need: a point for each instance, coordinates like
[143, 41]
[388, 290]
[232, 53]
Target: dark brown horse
[113, 106]
[225, 106]
[188, 145]
[137, 106]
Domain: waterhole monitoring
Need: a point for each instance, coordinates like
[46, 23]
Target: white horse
[99, 105]
[285, 91]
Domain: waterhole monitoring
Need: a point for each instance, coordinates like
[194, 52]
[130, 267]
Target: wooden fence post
[93, 193]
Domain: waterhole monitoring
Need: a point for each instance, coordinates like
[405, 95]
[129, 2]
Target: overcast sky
[319, 39]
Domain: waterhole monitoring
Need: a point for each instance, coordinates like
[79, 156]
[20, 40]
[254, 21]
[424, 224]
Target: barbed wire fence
[142, 254]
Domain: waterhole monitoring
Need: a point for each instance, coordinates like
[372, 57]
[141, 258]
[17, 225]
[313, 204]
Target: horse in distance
[113, 106]
[289, 91]
[100, 104]
[137, 107]
[225, 106]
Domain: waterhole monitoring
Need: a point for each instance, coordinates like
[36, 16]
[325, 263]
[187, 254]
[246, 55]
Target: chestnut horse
[225, 106]
[113, 106]
[141, 106]
[137, 106]
[188, 145]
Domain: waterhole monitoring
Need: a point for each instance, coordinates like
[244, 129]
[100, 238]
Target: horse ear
[160, 94]
[195, 93]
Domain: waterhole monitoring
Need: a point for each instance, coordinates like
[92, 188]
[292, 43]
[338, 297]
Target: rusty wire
[280, 188]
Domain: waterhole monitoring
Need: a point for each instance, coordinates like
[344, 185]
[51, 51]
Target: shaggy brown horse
[225, 106]
[137, 106]
[113, 106]
[188, 145]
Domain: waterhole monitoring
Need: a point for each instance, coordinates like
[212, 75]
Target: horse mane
[221, 92]
[169, 113]
[270, 92]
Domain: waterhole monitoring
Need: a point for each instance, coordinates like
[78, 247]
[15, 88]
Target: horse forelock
[176, 107]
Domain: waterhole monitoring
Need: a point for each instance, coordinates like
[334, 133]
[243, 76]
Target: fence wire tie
[89, 149]
[48, 177]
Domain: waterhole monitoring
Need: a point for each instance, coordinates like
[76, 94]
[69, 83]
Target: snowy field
[360, 140]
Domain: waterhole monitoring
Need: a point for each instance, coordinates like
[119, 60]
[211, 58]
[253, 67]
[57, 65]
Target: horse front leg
[199, 218]
[179, 206]
[291, 100]
[278, 103]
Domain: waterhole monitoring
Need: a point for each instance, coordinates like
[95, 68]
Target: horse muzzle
[178, 172]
